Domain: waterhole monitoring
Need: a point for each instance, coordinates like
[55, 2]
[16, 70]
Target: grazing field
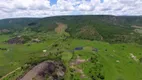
[115, 58]
[75, 47]
[111, 61]
[17, 55]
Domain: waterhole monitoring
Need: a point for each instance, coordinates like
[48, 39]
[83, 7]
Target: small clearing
[138, 29]
[77, 62]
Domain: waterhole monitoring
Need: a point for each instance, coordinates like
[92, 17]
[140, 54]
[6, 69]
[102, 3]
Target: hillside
[16, 22]
[113, 29]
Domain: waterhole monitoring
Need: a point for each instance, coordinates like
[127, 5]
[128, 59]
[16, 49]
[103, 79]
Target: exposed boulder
[16, 40]
[54, 70]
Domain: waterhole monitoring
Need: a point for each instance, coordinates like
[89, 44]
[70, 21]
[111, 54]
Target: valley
[70, 48]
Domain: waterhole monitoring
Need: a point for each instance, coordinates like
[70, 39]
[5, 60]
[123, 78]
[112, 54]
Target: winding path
[10, 73]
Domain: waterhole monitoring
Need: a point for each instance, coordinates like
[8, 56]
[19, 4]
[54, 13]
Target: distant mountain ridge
[16, 22]
[128, 20]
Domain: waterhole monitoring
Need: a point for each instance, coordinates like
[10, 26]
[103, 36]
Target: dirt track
[10, 73]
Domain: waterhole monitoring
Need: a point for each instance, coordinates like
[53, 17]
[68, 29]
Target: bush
[140, 60]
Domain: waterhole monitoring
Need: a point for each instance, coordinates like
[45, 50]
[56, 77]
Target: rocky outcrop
[16, 40]
[49, 70]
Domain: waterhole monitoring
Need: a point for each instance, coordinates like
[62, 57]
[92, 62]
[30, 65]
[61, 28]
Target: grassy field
[17, 55]
[60, 36]
[116, 59]
[113, 61]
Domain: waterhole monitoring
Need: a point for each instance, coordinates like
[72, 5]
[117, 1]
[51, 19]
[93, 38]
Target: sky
[46, 8]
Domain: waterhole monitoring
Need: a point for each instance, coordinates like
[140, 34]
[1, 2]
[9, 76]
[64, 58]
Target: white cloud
[85, 7]
[42, 8]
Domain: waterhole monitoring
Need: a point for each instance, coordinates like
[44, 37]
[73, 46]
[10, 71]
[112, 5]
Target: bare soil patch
[61, 27]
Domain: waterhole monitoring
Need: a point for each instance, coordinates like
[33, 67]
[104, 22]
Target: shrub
[140, 60]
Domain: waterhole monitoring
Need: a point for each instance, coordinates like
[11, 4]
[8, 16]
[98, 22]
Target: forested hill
[92, 27]
[124, 21]
[16, 22]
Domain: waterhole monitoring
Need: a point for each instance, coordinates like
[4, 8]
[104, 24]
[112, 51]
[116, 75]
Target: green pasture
[115, 58]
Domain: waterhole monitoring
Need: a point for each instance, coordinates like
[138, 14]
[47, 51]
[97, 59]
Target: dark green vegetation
[16, 23]
[82, 43]
[107, 28]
